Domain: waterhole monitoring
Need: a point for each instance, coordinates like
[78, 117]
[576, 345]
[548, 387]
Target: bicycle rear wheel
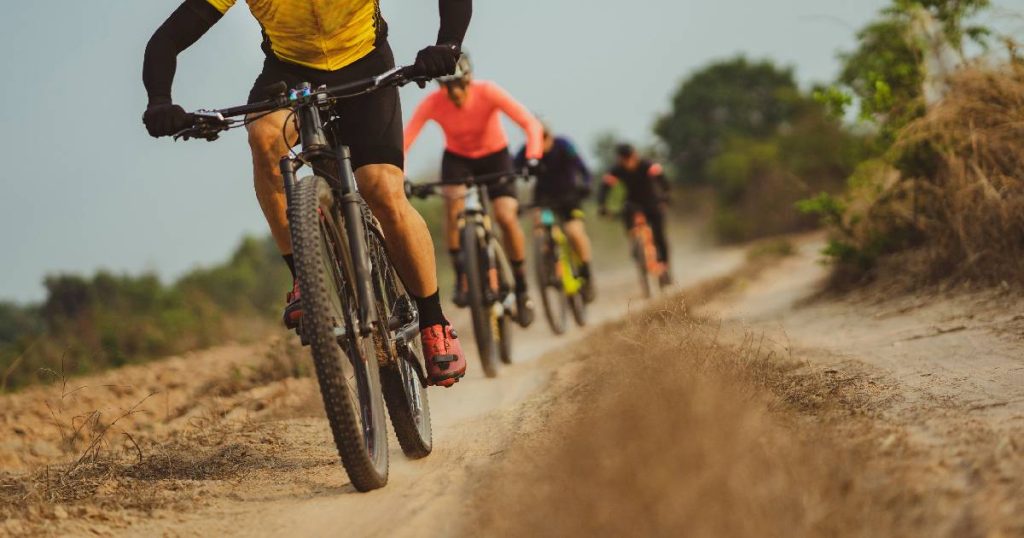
[403, 388]
[506, 282]
[478, 280]
[549, 281]
[346, 362]
[576, 303]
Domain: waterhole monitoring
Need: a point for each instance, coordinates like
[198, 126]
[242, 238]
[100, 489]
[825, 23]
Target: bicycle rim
[549, 282]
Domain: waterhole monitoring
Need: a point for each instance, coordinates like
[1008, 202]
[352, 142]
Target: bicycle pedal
[509, 304]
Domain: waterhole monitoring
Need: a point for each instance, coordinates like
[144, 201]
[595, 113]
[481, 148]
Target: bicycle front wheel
[640, 259]
[345, 362]
[545, 264]
[478, 274]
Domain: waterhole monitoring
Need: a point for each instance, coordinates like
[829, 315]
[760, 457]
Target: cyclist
[468, 112]
[329, 42]
[563, 182]
[646, 192]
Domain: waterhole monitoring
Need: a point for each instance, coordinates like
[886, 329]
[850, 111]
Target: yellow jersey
[321, 34]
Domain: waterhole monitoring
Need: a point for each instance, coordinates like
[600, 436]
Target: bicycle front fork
[348, 201]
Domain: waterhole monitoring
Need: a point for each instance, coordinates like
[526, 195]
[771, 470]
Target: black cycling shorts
[564, 210]
[455, 167]
[370, 125]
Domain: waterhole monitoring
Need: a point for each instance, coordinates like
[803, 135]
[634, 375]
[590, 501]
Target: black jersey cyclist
[647, 191]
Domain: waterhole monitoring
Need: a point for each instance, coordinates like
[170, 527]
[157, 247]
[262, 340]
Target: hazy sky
[83, 187]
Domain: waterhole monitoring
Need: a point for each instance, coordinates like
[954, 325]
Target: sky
[83, 187]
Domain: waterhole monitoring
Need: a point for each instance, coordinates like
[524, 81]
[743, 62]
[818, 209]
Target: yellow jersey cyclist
[329, 42]
[562, 184]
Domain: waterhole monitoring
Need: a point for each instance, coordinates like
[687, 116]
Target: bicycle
[557, 268]
[489, 278]
[358, 318]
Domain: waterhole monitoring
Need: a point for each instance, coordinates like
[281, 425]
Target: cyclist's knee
[506, 215]
[266, 142]
[383, 188]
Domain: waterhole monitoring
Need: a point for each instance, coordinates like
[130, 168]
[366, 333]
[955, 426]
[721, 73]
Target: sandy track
[946, 375]
[903, 416]
[291, 482]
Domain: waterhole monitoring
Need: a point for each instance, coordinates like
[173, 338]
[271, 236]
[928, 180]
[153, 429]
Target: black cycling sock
[290, 260]
[585, 270]
[430, 310]
[519, 273]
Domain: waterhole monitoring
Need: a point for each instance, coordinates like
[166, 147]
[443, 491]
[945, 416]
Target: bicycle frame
[477, 208]
[319, 151]
[642, 232]
[571, 284]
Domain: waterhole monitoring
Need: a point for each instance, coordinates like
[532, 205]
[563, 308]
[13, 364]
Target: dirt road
[750, 406]
[273, 426]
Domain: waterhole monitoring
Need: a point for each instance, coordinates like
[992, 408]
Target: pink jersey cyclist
[474, 130]
[469, 113]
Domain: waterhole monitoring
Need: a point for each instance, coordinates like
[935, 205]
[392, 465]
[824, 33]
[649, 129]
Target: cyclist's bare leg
[506, 212]
[382, 186]
[577, 235]
[406, 237]
[454, 198]
[268, 146]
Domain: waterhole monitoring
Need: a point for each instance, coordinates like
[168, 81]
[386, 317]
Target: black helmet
[625, 150]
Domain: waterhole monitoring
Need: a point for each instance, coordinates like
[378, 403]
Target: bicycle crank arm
[401, 335]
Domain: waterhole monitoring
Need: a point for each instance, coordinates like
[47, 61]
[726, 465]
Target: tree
[731, 98]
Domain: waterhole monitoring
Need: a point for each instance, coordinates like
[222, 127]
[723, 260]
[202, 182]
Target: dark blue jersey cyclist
[562, 178]
[562, 183]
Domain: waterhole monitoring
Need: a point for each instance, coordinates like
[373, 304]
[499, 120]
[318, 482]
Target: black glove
[166, 119]
[436, 61]
[534, 168]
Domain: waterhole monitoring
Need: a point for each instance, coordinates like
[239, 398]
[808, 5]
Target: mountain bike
[557, 268]
[489, 278]
[358, 319]
[653, 273]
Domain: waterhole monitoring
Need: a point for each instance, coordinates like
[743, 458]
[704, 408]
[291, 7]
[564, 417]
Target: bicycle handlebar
[423, 190]
[207, 124]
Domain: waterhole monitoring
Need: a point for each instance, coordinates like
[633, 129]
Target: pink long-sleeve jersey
[474, 130]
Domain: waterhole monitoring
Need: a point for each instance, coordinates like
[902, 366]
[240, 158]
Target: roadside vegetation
[940, 195]
[87, 324]
[748, 131]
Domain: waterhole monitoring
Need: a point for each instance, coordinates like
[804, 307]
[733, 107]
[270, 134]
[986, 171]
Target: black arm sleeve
[455, 15]
[183, 28]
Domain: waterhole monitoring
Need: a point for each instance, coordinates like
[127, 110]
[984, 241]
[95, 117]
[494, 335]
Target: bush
[89, 324]
[951, 203]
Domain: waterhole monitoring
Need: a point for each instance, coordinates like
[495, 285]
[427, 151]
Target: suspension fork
[355, 231]
[288, 168]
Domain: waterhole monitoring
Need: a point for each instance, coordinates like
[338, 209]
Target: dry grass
[975, 225]
[113, 468]
[684, 427]
[956, 214]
